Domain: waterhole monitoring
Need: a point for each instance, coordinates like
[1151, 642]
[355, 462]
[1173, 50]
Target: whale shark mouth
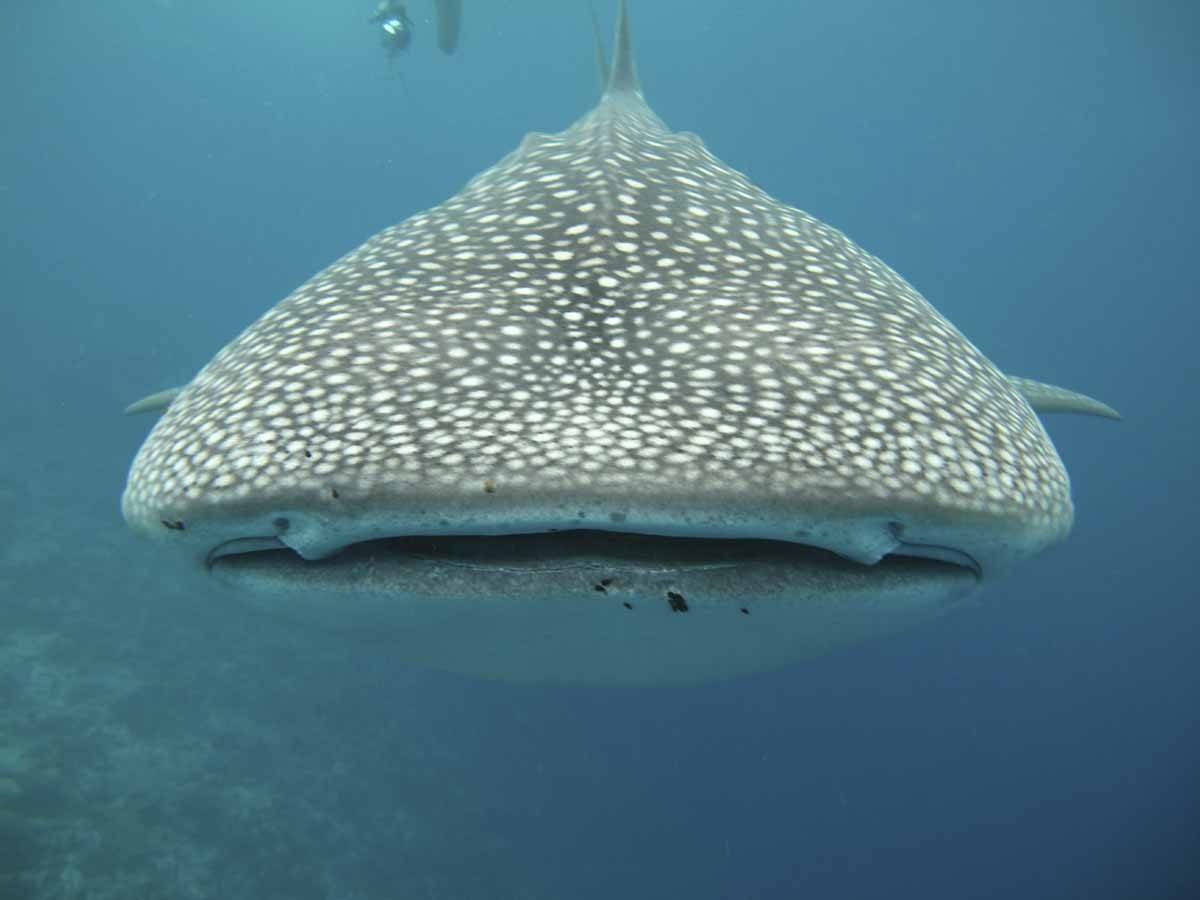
[574, 551]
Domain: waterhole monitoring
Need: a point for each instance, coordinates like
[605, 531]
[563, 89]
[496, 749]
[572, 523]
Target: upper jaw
[985, 546]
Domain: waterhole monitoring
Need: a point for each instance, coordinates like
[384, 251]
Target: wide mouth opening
[580, 547]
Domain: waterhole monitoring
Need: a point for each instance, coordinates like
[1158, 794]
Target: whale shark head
[612, 413]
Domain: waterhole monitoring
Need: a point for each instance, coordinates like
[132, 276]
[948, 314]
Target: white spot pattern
[609, 309]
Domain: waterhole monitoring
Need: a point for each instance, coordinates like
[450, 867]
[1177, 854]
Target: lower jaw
[598, 607]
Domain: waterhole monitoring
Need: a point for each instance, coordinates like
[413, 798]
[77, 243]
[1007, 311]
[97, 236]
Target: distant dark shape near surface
[611, 414]
[449, 20]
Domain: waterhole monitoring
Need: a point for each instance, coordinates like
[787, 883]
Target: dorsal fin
[622, 77]
[598, 47]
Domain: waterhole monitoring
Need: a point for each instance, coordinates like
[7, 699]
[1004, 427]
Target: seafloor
[156, 740]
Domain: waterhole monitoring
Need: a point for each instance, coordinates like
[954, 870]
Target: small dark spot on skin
[174, 525]
[489, 486]
[616, 517]
[334, 493]
[744, 611]
[678, 604]
[627, 605]
[282, 524]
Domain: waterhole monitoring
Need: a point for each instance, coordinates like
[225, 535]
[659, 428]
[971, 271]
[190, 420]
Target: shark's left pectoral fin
[1050, 398]
[155, 403]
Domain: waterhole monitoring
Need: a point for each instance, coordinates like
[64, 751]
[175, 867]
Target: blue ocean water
[169, 170]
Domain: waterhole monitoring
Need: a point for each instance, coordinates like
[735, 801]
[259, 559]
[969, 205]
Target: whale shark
[611, 414]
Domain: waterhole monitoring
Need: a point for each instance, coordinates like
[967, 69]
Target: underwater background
[169, 170]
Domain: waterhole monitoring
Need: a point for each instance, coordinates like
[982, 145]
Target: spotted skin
[609, 328]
